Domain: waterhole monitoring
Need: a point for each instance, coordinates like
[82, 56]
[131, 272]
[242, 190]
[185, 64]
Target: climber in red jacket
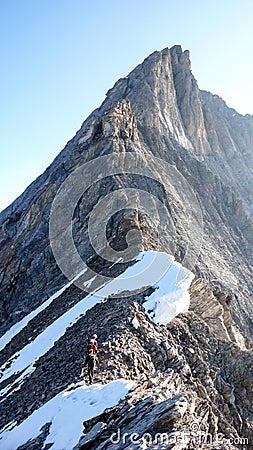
[94, 343]
[91, 359]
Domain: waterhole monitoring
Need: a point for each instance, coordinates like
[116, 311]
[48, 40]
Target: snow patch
[171, 296]
[17, 327]
[25, 358]
[135, 322]
[88, 283]
[191, 350]
[66, 411]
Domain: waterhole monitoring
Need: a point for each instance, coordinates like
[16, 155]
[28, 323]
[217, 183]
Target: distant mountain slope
[211, 146]
[160, 167]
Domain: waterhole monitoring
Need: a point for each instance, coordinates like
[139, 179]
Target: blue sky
[59, 57]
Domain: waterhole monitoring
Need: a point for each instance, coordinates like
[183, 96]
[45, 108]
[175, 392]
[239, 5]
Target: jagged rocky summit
[202, 358]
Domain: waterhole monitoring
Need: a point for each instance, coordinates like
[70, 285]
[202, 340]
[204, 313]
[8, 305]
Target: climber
[90, 360]
[93, 341]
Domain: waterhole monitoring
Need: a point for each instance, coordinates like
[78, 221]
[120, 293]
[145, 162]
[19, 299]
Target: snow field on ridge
[17, 327]
[169, 299]
[66, 412]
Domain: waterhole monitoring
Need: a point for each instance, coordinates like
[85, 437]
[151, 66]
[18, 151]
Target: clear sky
[59, 57]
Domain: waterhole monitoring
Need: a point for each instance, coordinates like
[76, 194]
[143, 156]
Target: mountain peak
[157, 179]
[181, 57]
[164, 94]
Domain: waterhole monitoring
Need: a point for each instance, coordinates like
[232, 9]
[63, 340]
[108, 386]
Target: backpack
[91, 349]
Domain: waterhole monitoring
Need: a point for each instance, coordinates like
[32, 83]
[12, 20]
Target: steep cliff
[170, 168]
[210, 144]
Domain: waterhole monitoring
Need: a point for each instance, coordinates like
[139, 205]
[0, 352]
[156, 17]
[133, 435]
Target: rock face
[203, 358]
[157, 109]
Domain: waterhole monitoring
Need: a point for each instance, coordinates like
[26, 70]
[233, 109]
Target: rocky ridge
[182, 363]
[158, 97]
[202, 359]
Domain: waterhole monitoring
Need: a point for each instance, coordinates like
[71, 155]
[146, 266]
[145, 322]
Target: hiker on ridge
[94, 341]
[91, 358]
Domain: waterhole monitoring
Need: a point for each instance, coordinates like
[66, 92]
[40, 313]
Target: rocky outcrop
[185, 381]
[214, 309]
[189, 100]
[195, 403]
